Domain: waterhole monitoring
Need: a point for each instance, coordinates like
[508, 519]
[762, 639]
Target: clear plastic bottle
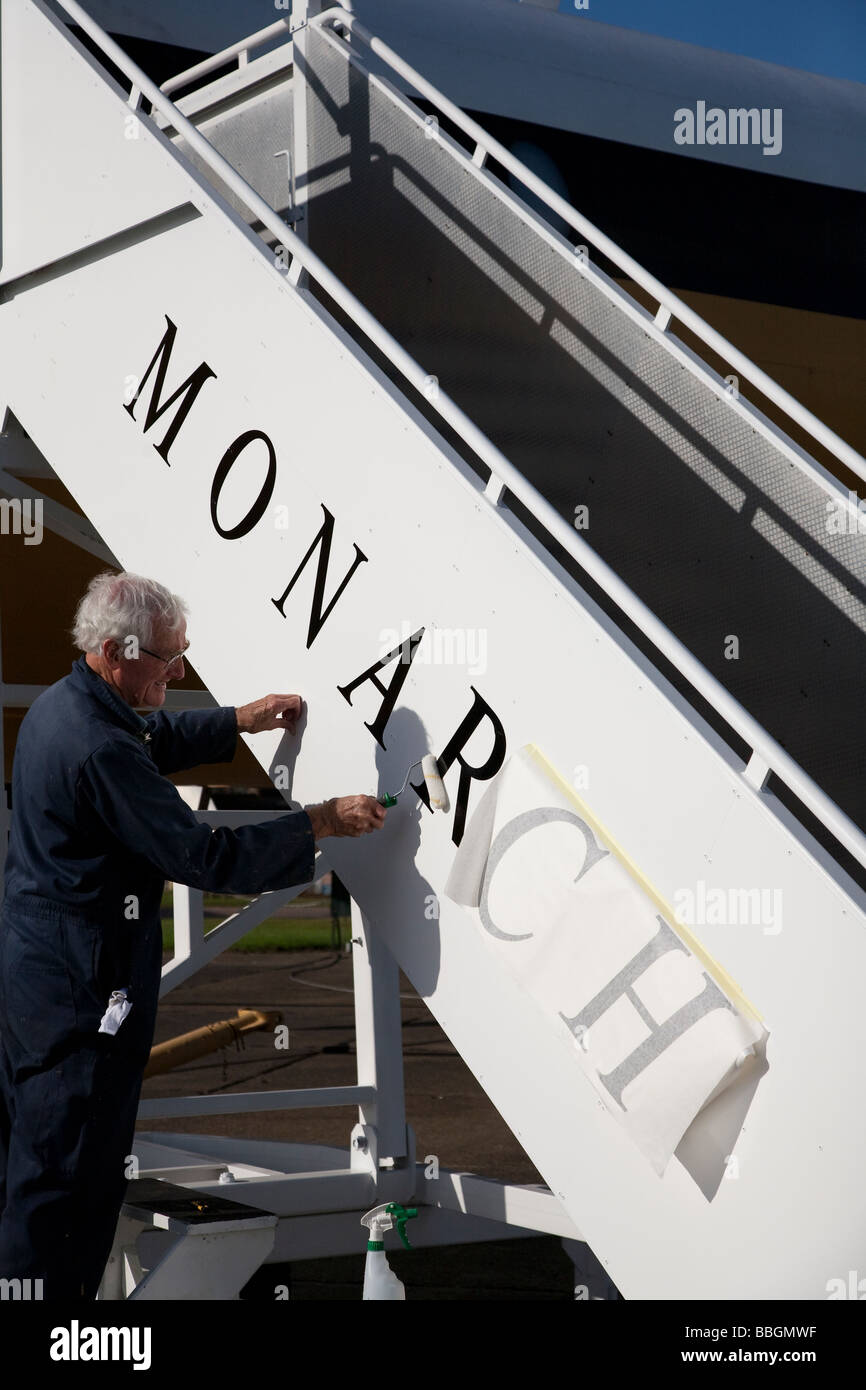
[380, 1281]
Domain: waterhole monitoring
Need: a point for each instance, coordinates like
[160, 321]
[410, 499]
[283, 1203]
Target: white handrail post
[378, 1041]
[188, 915]
[757, 771]
[300, 158]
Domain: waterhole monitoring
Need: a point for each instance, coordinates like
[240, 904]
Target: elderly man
[96, 830]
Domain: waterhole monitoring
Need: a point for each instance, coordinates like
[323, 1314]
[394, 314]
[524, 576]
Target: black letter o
[257, 510]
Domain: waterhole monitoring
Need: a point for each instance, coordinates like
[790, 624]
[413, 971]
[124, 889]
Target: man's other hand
[271, 712]
[346, 815]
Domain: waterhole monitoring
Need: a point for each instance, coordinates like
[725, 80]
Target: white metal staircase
[238, 410]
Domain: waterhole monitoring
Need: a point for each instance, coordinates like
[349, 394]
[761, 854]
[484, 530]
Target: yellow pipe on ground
[201, 1041]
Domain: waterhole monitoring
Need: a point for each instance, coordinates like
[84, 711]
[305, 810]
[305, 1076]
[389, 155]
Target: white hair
[117, 606]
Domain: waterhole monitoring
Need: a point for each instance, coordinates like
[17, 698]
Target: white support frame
[193, 947]
[379, 1051]
[59, 519]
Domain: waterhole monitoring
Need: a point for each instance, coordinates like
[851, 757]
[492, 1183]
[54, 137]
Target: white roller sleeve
[435, 786]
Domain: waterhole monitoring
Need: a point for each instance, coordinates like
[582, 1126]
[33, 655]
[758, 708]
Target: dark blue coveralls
[96, 830]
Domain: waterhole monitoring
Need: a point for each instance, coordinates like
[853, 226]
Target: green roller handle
[386, 799]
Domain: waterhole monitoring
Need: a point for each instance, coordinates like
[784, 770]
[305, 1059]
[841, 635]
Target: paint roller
[435, 786]
[432, 779]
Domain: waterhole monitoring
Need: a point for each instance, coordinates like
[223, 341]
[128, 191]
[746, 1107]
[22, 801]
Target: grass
[274, 934]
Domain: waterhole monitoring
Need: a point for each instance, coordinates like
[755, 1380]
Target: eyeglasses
[166, 661]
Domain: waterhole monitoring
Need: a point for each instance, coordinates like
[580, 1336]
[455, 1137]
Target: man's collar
[90, 680]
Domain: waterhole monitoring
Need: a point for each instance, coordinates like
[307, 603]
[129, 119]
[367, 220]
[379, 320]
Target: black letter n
[318, 614]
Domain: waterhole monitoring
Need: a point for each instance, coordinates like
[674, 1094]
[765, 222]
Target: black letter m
[188, 389]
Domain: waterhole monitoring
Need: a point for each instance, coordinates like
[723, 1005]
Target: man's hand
[346, 815]
[272, 712]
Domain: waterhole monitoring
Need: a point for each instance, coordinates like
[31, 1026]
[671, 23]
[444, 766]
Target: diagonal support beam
[59, 519]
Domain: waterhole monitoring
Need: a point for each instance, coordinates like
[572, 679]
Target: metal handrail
[635, 271]
[239, 50]
[765, 747]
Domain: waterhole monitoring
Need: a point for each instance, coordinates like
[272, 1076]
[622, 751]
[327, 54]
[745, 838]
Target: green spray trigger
[400, 1215]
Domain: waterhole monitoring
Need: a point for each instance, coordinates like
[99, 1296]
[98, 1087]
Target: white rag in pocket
[118, 1007]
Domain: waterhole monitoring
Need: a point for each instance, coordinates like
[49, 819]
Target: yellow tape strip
[720, 975]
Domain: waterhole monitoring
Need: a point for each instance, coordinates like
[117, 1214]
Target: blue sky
[827, 36]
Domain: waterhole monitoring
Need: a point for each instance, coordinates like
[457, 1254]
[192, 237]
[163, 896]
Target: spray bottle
[380, 1282]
